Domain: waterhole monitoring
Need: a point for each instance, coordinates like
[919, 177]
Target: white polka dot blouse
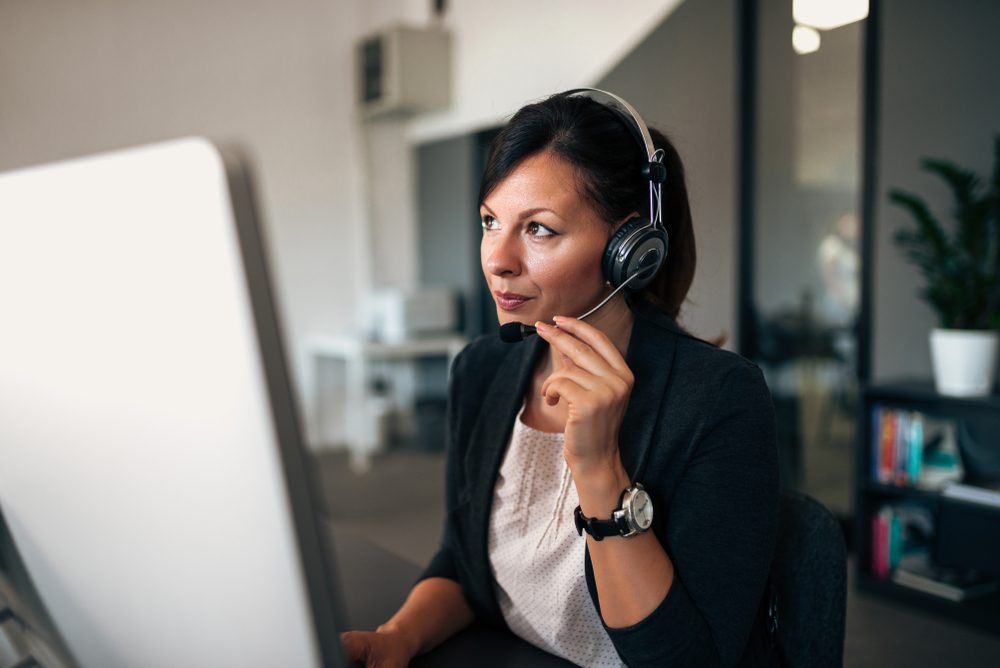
[536, 555]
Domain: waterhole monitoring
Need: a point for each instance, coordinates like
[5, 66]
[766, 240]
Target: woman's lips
[510, 301]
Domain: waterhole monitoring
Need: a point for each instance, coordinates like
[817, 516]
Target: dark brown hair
[600, 144]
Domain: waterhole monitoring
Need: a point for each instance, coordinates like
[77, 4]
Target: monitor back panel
[139, 473]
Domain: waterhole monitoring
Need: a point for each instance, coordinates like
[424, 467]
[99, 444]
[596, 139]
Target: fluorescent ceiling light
[804, 40]
[828, 14]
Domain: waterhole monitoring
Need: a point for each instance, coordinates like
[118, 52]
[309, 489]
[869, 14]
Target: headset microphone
[513, 332]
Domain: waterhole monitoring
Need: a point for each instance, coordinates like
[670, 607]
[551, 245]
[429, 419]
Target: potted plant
[961, 271]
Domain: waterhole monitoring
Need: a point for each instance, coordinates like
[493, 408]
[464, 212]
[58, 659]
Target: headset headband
[654, 169]
[611, 100]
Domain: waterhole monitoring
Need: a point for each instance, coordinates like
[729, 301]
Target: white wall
[277, 76]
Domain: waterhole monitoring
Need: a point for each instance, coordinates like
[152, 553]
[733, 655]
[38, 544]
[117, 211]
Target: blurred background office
[368, 124]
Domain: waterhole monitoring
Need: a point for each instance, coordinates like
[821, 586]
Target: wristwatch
[633, 516]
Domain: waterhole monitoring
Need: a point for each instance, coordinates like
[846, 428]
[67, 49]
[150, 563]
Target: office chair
[807, 589]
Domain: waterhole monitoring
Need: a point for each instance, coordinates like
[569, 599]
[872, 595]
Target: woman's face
[542, 243]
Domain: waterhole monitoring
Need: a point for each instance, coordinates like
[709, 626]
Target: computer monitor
[152, 476]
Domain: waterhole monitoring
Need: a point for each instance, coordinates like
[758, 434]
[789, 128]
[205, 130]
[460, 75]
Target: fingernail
[541, 326]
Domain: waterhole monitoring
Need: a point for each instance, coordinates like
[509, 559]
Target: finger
[354, 644]
[597, 340]
[550, 393]
[584, 390]
[561, 388]
[576, 350]
[578, 375]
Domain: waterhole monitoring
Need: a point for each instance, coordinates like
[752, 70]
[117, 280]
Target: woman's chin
[526, 317]
[503, 317]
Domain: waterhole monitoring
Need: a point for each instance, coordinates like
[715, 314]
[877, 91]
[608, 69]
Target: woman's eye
[489, 222]
[539, 230]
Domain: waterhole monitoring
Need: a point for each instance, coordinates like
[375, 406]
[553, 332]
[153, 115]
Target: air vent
[404, 71]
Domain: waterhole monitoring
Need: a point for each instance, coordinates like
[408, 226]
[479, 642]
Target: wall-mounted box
[404, 70]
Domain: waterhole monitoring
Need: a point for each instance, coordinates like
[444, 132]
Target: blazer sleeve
[442, 564]
[721, 533]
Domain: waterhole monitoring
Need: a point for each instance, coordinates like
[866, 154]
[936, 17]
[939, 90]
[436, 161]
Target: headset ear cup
[636, 247]
[611, 251]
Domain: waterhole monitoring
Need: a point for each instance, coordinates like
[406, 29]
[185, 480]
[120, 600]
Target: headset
[637, 250]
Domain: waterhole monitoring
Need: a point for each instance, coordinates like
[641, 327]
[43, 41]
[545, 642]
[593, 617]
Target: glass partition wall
[801, 238]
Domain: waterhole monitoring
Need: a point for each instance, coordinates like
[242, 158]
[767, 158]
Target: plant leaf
[929, 231]
[962, 271]
[964, 183]
[972, 211]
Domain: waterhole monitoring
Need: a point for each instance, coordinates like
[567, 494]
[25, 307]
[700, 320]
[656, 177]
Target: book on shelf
[916, 571]
[898, 530]
[911, 448]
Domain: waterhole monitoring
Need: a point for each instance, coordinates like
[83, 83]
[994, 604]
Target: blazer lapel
[490, 437]
[494, 425]
[650, 356]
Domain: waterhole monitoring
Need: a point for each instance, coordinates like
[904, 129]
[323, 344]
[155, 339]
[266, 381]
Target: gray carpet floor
[398, 505]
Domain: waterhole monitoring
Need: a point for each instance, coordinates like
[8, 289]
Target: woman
[550, 432]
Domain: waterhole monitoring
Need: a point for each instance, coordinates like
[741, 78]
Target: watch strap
[601, 529]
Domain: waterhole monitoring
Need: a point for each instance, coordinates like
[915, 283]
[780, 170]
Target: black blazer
[698, 433]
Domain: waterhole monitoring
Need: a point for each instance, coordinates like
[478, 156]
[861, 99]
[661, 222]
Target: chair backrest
[807, 592]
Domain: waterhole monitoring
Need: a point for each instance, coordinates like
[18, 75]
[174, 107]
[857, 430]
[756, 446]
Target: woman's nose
[503, 257]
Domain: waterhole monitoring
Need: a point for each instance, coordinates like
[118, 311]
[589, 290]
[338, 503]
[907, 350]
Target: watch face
[642, 509]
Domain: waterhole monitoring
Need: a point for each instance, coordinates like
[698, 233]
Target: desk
[358, 356]
[375, 582]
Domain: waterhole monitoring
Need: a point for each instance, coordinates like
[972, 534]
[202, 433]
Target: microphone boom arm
[512, 332]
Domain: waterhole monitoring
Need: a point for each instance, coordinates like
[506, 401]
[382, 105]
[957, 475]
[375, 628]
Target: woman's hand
[595, 382]
[384, 648]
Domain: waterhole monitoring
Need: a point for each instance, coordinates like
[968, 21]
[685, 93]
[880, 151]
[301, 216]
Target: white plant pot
[965, 361]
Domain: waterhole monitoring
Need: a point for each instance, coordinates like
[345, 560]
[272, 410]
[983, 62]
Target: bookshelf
[965, 535]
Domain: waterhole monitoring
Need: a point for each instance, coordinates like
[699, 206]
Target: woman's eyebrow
[525, 214]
